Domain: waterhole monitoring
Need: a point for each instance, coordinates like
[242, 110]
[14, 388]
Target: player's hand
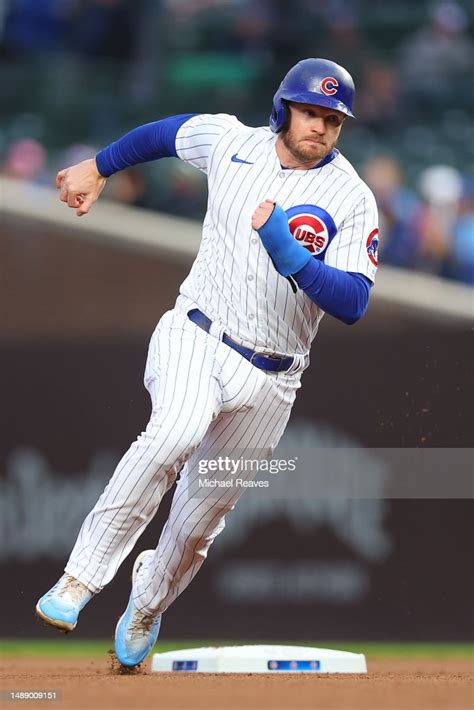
[262, 213]
[80, 185]
[271, 222]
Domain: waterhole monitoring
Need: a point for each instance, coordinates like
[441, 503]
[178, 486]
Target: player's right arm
[80, 185]
[189, 137]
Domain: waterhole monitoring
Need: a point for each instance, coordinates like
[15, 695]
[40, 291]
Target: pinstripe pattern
[206, 398]
[232, 279]
[196, 384]
[183, 384]
[195, 521]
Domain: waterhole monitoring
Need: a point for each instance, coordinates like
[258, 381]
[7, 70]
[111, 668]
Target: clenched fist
[80, 185]
[262, 213]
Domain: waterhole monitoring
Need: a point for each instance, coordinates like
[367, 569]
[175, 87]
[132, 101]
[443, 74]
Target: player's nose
[319, 125]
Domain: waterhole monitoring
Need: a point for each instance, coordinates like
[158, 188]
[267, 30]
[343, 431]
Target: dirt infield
[80, 683]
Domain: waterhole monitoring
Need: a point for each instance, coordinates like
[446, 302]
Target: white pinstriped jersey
[233, 281]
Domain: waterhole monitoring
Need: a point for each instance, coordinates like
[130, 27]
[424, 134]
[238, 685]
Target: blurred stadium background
[80, 299]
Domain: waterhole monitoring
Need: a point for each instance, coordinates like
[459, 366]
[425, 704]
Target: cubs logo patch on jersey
[312, 227]
[372, 246]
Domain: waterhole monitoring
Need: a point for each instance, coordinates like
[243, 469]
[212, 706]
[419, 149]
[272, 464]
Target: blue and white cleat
[136, 633]
[60, 606]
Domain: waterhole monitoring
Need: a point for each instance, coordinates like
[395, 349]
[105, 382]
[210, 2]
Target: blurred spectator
[75, 153]
[289, 36]
[90, 27]
[400, 241]
[207, 26]
[32, 26]
[104, 28]
[26, 160]
[252, 26]
[378, 100]
[463, 236]
[436, 63]
[441, 189]
[127, 187]
[340, 38]
[180, 190]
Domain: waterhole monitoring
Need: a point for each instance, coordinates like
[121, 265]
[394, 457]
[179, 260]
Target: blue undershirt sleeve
[342, 294]
[148, 142]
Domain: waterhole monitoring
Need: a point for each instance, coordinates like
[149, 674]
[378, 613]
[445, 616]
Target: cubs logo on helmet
[372, 247]
[329, 85]
[312, 227]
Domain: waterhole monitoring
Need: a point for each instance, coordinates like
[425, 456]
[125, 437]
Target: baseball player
[290, 233]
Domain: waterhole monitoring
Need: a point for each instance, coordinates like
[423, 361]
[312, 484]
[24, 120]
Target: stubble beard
[303, 151]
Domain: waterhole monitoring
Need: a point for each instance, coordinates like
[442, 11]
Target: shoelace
[141, 624]
[75, 589]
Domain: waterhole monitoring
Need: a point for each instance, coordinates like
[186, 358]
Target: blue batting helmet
[313, 81]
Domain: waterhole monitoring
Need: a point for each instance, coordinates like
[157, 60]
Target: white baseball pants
[205, 397]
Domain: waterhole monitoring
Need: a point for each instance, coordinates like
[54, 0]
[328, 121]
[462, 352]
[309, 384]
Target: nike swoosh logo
[235, 159]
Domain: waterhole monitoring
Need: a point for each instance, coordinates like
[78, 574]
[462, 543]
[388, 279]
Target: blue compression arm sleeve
[287, 255]
[149, 142]
[343, 294]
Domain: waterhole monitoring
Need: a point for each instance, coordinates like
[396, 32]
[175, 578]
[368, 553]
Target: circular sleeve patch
[312, 227]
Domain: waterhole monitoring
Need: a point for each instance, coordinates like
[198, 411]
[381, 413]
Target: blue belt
[274, 363]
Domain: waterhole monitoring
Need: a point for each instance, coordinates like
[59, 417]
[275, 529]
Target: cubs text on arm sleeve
[197, 137]
[343, 294]
[148, 142]
[354, 248]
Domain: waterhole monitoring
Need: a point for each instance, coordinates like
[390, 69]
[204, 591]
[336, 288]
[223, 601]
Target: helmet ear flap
[287, 115]
[274, 120]
[280, 116]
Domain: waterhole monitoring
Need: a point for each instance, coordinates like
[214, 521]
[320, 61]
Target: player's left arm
[341, 293]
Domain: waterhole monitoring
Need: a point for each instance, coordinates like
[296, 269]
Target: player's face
[312, 133]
